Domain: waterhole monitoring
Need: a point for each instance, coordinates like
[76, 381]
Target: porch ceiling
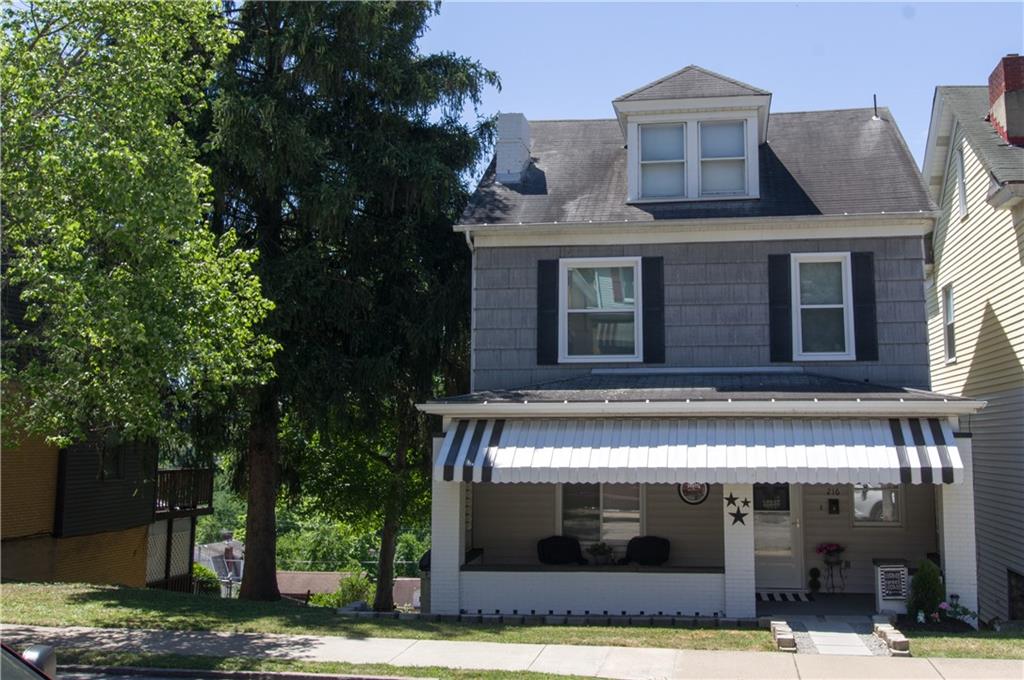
[711, 450]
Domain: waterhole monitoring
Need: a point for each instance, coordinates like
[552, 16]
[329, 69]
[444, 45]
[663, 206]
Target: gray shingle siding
[716, 309]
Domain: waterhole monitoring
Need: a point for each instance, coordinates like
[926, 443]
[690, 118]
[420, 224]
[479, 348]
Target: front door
[778, 536]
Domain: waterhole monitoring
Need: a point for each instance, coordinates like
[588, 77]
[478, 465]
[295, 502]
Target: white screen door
[778, 536]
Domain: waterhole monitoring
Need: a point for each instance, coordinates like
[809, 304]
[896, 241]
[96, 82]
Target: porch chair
[560, 550]
[647, 551]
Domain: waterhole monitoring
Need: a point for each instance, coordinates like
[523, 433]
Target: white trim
[712, 370]
[925, 408]
[961, 181]
[704, 230]
[796, 259]
[564, 265]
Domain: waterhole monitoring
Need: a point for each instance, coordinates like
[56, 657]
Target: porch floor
[824, 604]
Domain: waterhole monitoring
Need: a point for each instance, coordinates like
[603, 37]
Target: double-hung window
[599, 310]
[949, 336]
[961, 183]
[876, 506]
[723, 158]
[663, 161]
[822, 307]
[608, 513]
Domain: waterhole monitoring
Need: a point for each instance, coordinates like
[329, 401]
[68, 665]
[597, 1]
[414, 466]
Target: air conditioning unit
[892, 586]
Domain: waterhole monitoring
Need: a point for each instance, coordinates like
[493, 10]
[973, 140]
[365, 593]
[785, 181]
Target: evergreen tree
[341, 156]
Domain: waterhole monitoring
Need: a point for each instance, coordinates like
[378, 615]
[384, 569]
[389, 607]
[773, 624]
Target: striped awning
[711, 450]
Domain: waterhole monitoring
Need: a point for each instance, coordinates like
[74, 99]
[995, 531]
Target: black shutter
[653, 294]
[547, 312]
[780, 309]
[865, 324]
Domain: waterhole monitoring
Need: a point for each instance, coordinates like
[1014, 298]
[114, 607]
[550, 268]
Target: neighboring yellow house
[96, 513]
[974, 167]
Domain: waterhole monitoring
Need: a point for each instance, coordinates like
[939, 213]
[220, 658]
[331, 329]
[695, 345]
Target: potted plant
[832, 553]
[601, 552]
[815, 583]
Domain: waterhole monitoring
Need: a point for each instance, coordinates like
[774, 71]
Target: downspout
[472, 310]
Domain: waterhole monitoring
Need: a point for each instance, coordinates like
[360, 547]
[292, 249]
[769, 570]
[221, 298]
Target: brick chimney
[1006, 99]
[512, 148]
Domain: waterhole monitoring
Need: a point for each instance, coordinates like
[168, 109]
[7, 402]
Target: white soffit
[709, 450]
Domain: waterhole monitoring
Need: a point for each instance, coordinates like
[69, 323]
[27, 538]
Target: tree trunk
[259, 581]
[384, 600]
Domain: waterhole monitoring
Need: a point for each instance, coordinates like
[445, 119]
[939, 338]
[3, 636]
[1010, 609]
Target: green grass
[978, 644]
[122, 659]
[111, 607]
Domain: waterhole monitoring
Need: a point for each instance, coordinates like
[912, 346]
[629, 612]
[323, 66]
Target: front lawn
[111, 607]
[976, 644]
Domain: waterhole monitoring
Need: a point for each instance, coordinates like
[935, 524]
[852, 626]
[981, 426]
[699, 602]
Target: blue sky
[569, 60]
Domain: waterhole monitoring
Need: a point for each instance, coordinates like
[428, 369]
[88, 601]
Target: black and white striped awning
[711, 450]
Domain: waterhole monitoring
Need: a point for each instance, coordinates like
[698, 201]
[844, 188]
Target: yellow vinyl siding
[28, 487]
[982, 256]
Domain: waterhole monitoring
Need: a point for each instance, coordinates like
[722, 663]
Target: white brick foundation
[740, 594]
[959, 554]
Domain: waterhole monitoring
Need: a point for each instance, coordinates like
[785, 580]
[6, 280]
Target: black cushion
[649, 551]
[559, 550]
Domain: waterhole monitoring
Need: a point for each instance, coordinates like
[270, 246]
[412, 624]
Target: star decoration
[731, 500]
[738, 517]
[746, 502]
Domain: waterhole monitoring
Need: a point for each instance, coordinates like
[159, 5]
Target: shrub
[926, 590]
[204, 580]
[354, 588]
[351, 589]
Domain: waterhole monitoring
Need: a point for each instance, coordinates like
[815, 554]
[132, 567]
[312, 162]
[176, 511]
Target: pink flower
[943, 606]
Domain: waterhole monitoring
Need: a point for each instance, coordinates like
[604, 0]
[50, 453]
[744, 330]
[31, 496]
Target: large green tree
[123, 309]
[341, 155]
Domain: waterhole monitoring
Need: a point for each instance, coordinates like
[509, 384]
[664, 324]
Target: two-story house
[974, 164]
[699, 342]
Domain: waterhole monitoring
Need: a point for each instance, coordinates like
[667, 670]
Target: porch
[731, 542]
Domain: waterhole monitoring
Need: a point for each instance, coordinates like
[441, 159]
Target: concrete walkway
[607, 662]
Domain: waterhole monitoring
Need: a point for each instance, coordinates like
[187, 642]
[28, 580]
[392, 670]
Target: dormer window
[723, 158]
[662, 161]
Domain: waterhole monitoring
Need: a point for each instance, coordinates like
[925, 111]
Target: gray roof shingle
[970, 106]
[691, 81]
[625, 387]
[814, 163]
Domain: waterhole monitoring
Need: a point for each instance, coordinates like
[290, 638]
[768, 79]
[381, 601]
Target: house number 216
[834, 491]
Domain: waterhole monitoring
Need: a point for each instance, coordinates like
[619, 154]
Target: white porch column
[738, 519]
[959, 552]
[447, 537]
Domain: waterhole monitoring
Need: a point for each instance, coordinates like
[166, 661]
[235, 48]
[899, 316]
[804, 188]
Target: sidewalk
[607, 662]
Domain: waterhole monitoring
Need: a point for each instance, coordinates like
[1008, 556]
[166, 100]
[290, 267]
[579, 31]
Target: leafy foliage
[926, 590]
[133, 311]
[354, 588]
[205, 580]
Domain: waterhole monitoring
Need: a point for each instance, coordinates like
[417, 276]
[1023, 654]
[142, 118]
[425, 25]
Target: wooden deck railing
[184, 492]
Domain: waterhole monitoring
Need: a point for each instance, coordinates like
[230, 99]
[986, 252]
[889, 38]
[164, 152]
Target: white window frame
[701, 160]
[600, 511]
[948, 319]
[961, 181]
[682, 161]
[564, 265]
[692, 121]
[794, 268]
[900, 504]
